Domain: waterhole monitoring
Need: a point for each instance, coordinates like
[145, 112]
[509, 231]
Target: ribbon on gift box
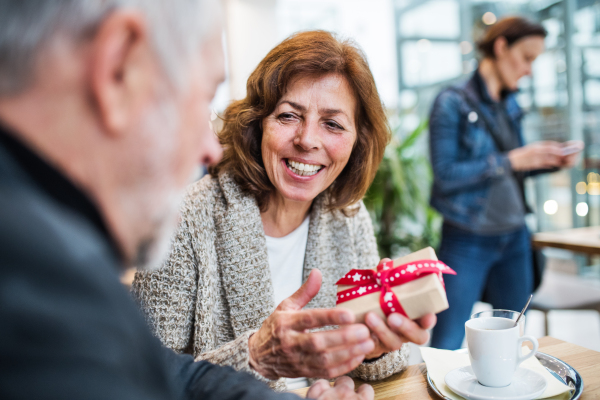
[367, 281]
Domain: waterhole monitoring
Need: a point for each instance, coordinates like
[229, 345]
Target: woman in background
[479, 161]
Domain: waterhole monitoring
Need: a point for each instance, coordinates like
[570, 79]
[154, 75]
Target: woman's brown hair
[312, 54]
[512, 29]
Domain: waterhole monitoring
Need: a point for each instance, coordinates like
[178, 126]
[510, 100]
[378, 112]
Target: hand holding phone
[572, 147]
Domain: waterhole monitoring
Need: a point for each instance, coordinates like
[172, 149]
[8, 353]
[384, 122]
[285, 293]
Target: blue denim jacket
[464, 156]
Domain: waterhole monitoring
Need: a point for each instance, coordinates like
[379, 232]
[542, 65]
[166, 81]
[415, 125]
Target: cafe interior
[520, 201]
[415, 48]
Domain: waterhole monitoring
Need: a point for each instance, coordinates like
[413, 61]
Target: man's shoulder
[34, 228]
[53, 252]
[64, 310]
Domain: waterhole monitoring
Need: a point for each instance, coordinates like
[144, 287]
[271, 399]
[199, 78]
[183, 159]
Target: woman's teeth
[303, 169]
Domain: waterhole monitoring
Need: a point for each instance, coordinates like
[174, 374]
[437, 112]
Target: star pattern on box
[411, 268]
[388, 296]
[356, 277]
[361, 290]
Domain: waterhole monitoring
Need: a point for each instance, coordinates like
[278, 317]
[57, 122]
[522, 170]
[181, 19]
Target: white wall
[251, 31]
[254, 27]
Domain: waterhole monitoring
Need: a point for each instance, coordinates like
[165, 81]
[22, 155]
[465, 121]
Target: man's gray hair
[177, 28]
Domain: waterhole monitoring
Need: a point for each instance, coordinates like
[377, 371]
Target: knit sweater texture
[215, 289]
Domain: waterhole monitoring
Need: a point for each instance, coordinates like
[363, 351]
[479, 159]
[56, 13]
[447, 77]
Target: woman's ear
[500, 47]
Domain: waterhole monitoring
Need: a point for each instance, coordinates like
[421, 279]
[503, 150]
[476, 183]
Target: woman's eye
[286, 116]
[334, 125]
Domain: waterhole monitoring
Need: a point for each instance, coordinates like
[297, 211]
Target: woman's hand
[538, 155]
[343, 389]
[572, 152]
[571, 160]
[282, 347]
[399, 330]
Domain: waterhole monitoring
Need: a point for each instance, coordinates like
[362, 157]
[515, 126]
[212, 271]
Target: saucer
[526, 384]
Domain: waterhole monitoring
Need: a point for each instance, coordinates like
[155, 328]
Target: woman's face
[514, 62]
[308, 138]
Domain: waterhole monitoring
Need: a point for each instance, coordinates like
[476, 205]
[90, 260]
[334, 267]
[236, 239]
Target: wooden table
[411, 383]
[582, 240]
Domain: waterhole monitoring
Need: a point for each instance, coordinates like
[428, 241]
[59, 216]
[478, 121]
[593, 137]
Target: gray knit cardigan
[215, 289]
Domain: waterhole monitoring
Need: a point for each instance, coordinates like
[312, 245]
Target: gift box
[412, 285]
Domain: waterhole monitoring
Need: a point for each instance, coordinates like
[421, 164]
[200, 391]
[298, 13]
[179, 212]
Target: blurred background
[417, 47]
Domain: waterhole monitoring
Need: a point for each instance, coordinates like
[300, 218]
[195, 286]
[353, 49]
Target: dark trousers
[496, 269]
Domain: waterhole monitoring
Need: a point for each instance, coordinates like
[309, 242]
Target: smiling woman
[279, 221]
[314, 61]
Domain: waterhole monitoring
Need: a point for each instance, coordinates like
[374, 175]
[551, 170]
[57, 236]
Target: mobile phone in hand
[572, 147]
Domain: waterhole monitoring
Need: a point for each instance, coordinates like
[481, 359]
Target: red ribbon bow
[367, 281]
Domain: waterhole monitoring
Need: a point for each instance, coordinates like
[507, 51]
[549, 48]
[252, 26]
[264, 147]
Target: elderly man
[103, 120]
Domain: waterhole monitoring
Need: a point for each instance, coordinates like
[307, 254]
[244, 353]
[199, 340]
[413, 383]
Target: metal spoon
[523, 310]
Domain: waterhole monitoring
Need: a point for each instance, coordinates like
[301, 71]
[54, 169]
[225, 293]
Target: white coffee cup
[495, 349]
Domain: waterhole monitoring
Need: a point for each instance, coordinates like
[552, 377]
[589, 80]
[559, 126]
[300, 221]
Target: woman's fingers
[348, 366]
[302, 296]
[427, 321]
[378, 350]
[319, 317]
[570, 160]
[333, 358]
[553, 160]
[407, 329]
[388, 338]
[347, 336]
[399, 329]
[551, 153]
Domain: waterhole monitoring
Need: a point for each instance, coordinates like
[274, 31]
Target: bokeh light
[550, 207]
[582, 209]
[466, 47]
[489, 18]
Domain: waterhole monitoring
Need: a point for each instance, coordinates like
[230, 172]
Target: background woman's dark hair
[512, 29]
[312, 54]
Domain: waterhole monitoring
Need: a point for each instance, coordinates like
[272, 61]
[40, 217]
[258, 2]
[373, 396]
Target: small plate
[558, 368]
[526, 384]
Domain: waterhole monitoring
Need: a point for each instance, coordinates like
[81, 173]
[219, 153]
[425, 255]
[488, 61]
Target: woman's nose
[307, 137]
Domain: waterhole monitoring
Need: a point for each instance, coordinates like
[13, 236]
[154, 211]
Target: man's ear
[122, 66]
[500, 47]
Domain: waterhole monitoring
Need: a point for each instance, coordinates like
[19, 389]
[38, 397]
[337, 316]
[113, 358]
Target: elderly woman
[282, 208]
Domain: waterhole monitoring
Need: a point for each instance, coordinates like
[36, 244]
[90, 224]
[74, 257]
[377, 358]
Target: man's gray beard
[152, 251]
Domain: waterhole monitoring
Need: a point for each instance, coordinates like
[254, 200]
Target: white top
[286, 261]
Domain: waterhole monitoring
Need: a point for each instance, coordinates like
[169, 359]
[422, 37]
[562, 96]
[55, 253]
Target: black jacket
[68, 328]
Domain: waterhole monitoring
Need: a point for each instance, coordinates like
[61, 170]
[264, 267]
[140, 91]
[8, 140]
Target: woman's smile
[303, 169]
